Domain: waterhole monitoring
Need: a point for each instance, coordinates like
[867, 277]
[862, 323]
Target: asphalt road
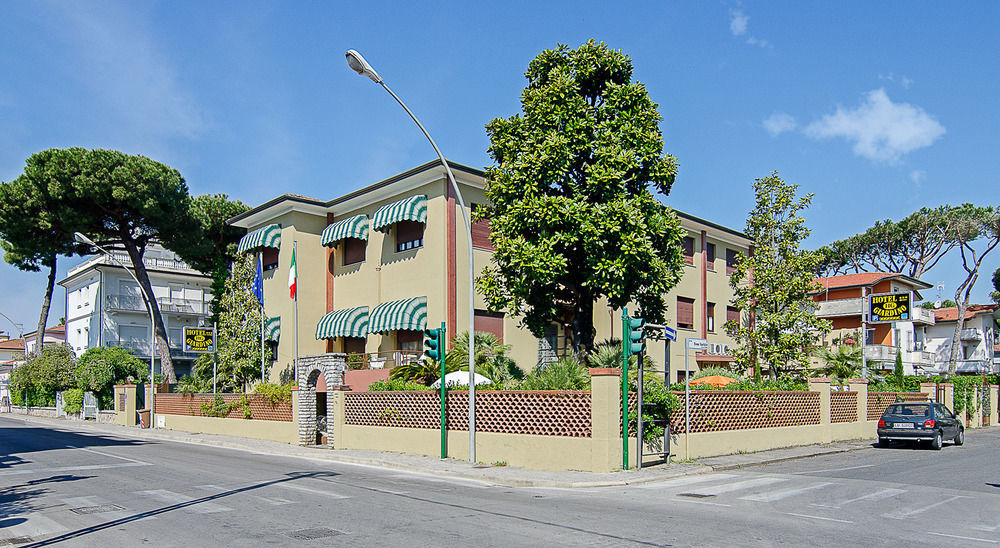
[61, 486]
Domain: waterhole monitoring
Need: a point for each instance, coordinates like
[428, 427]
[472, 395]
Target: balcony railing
[880, 352]
[972, 334]
[141, 348]
[381, 360]
[133, 303]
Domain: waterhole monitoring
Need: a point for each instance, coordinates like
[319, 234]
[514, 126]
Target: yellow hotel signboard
[890, 307]
[199, 339]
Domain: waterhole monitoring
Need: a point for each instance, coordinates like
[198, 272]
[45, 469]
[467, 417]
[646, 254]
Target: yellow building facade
[378, 265]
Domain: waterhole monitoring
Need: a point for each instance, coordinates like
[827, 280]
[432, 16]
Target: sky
[877, 108]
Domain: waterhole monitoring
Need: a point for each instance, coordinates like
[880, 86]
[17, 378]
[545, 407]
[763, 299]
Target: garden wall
[184, 412]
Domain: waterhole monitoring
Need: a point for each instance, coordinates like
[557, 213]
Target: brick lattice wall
[190, 404]
[879, 401]
[712, 411]
[843, 406]
[544, 413]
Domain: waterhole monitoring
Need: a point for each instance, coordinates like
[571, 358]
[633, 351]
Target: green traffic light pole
[444, 432]
[625, 356]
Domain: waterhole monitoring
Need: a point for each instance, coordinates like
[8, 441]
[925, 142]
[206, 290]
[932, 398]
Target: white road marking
[963, 538]
[437, 479]
[107, 455]
[772, 496]
[276, 501]
[818, 517]
[79, 502]
[330, 494]
[685, 480]
[35, 525]
[835, 469]
[177, 498]
[877, 495]
[745, 484]
[21, 472]
[904, 514]
[705, 502]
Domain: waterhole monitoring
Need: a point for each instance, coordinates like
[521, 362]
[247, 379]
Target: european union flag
[258, 283]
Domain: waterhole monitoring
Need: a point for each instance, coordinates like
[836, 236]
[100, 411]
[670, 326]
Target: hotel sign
[890, 307]
[199, 339]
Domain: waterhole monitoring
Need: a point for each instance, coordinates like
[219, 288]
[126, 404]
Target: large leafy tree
[35, 228]
[239, 359]
[773, 284]
[571, 212]
[977, 232]
[216, 250]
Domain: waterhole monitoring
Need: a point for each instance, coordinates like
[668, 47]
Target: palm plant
[491, 358]
[565, 374]
[842, 364]
[423, 371]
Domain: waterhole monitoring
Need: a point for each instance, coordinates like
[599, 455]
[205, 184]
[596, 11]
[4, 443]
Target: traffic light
[432, 344]
[636, 341]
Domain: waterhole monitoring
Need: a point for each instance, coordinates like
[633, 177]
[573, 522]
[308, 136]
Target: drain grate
[695, 495]
[15, 540]
[97, 509]
[313, 534]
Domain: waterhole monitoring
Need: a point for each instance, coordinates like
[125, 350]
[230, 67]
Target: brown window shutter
[687, 247]
[733, 315]
[731, 259]
[710, 256]
[685, 313]
[481, 235]
[270, 258]
[490, 322]
[409, 234]
[354, 250]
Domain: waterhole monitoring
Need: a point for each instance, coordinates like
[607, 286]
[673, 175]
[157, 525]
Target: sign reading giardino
[199, 339]
[889, 307]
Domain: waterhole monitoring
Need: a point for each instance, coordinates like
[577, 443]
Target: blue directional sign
[670, 333]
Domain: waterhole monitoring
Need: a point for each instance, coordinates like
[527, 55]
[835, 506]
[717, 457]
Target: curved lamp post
[146, 299]
[359, 65]
[20, 333]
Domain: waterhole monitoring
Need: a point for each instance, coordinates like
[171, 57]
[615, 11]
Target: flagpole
[295, 316]
[260, 258]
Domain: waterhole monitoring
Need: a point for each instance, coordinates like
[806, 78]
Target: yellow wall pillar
[337, 404]
[605, 419]
[822, 386]
[861, 387]
[125, 395]
[949, 398]
[994, 415]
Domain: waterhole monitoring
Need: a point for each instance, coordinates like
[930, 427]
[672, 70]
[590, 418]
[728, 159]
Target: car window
[945, 412]
[909, 410]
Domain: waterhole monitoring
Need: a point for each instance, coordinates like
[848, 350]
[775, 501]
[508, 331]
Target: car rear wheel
[960, 438]
[936, 443]
[882, 443]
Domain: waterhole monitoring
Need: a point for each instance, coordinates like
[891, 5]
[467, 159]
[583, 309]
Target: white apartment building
[978, 338]
[105, 307]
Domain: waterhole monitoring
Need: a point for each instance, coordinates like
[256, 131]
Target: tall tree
[773, 284]
[977, 233]
[239, 359]
[572, 216]
[35, 228]
[127, 202]
[216, 250]
[911, 246]
[995, 295]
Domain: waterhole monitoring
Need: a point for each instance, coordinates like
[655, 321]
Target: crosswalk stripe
[772, 496]
[330, 494]
[275, 501]
[34, 525]
[745, 484]
[907, 513]
[91, 501]
[177, 498]
[685, 480]
[877, 495]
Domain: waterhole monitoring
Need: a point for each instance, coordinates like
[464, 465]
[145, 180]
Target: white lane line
[834, 469]
[20, 472]
[330, 494]
[686, 480]
[963, 538]
[177, 498]
[704, 502]
[275, 501]
[904, 514]
[818, 517]
[107, 454]
[877, 495]
[772, 496]
[428, 477]
[745, 484]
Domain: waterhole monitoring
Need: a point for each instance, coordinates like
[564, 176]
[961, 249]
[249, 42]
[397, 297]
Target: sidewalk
[500, 475]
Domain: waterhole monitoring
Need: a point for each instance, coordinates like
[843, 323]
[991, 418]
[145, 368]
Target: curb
[737, 466]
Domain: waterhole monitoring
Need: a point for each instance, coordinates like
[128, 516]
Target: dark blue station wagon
[927, 422]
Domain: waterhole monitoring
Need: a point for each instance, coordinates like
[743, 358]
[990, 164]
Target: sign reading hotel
[199, 339]
[889, 307]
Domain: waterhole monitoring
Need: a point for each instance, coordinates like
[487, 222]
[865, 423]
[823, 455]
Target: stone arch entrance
[328, 367]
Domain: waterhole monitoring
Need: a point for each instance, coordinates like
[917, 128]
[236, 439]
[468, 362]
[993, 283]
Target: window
[270, 260]
[174, 338]
[409, 235]
[710, 317]
[732, 258]
[354, 345]
[710, 256]
[870, 336]
[687, 248]
[481, 232]
[685, 313]
[490, 322]
[681, 376]
[353, 250]
[410, 340]
[733, 315]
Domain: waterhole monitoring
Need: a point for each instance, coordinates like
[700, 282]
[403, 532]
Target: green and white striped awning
[352, 227]
[268, 236]
[408, 314]
[413, 208]
[350, 322]
[272, 329]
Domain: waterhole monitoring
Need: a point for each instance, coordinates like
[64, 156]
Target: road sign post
[689, 345]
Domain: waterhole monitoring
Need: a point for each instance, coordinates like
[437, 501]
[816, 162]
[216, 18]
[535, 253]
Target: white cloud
[738, 23]
[904, 81]
[918, 175]
[779, 123]
[880, 129]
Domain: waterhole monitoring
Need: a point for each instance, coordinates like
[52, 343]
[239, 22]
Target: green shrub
[713, 371]
[72, 400]
[391, 385]
[190, 384]
[275, 393]
[564, 374]
[100, 368]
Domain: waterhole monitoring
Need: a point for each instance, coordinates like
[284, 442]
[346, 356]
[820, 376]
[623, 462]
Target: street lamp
[359, 65]
[147, 299]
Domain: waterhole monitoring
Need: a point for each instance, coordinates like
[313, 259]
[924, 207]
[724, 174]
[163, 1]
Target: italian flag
[292, 277]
